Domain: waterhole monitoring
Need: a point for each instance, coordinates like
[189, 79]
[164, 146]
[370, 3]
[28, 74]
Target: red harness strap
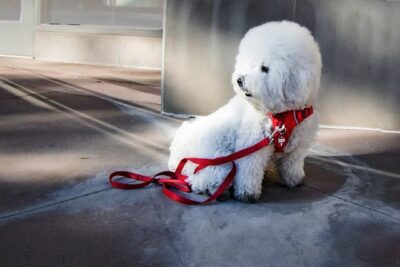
[176, 179]
[290, 119]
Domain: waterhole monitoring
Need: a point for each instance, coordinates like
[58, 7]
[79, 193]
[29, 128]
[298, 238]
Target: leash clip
[278, 129]
[281, 129]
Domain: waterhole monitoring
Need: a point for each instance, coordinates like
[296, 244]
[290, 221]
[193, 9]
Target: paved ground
[64, 127]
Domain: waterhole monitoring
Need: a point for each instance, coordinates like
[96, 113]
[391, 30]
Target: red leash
[176, 179]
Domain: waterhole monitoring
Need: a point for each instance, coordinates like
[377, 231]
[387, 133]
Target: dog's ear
[309, 80]
[290, 85]
[300, 84]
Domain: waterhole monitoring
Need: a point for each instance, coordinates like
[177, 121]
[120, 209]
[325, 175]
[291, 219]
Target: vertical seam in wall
[120, 50]
[294, 10]
[21, 27]
[37, 6]
[163, 40]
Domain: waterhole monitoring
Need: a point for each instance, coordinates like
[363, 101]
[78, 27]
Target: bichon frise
[277, 69]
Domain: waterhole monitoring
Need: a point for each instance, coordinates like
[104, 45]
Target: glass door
[17, 25]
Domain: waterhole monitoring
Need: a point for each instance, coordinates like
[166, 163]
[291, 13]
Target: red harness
[289, 119]
[283, 125]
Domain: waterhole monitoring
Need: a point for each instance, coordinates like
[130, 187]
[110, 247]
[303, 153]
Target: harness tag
[281, 140]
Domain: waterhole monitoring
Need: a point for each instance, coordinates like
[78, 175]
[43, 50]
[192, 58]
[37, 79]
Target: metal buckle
[279, 129]
[282, 129]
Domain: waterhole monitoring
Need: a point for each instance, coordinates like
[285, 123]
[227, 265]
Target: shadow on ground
[61, 136]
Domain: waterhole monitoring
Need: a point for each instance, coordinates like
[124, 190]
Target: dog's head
[278, 67]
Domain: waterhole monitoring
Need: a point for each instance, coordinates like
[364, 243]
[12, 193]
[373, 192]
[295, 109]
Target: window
[10, 10]
[115, 13]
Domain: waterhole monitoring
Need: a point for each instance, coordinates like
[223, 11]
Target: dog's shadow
[320, 182]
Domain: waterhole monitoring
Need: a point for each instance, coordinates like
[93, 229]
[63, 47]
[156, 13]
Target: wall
[115, 33]
[100, 48]
[138, 47]
[359, 40]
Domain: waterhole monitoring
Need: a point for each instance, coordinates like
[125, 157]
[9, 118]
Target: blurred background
[194, 44]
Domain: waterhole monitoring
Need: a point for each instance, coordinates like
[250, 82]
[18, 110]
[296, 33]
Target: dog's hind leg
[208, 180]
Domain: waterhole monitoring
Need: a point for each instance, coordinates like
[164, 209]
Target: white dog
[278, 68]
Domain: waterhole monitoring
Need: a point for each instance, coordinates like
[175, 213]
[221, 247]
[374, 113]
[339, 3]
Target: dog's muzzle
[240, 82]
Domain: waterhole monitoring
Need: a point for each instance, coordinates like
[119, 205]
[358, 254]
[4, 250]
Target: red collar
[289, 119]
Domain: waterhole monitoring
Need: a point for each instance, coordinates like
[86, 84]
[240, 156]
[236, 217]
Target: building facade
[194, 43]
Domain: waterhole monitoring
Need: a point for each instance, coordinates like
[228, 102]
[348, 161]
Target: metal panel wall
[360, 45]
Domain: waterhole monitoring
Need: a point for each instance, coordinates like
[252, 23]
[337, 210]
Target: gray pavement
[64, 127]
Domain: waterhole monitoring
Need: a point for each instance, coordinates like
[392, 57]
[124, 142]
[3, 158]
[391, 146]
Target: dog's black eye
[264, 69]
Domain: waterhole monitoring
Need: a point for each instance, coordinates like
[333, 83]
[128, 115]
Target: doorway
[17, 25]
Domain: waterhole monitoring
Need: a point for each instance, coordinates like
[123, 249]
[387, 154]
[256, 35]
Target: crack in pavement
[353, 203]
[52, 204]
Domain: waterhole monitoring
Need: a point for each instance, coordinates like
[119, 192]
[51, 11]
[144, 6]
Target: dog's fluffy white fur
[289, 80]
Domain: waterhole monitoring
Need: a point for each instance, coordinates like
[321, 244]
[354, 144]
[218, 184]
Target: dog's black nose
[240, 81]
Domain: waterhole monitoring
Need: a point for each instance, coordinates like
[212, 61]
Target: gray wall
[359, 40]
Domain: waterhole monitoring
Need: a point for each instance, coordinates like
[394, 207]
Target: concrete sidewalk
[65, 127]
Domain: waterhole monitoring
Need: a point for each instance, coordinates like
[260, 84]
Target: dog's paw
[291, 175]
[291, 182]
[205, 192]
[249, 199]
[198, 189]
[226, 195]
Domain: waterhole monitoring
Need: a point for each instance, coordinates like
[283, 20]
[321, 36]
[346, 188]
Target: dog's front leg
[249, 176]
[290, 164]
[290, 167]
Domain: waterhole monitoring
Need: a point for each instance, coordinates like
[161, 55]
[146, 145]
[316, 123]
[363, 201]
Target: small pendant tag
[281, 140]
